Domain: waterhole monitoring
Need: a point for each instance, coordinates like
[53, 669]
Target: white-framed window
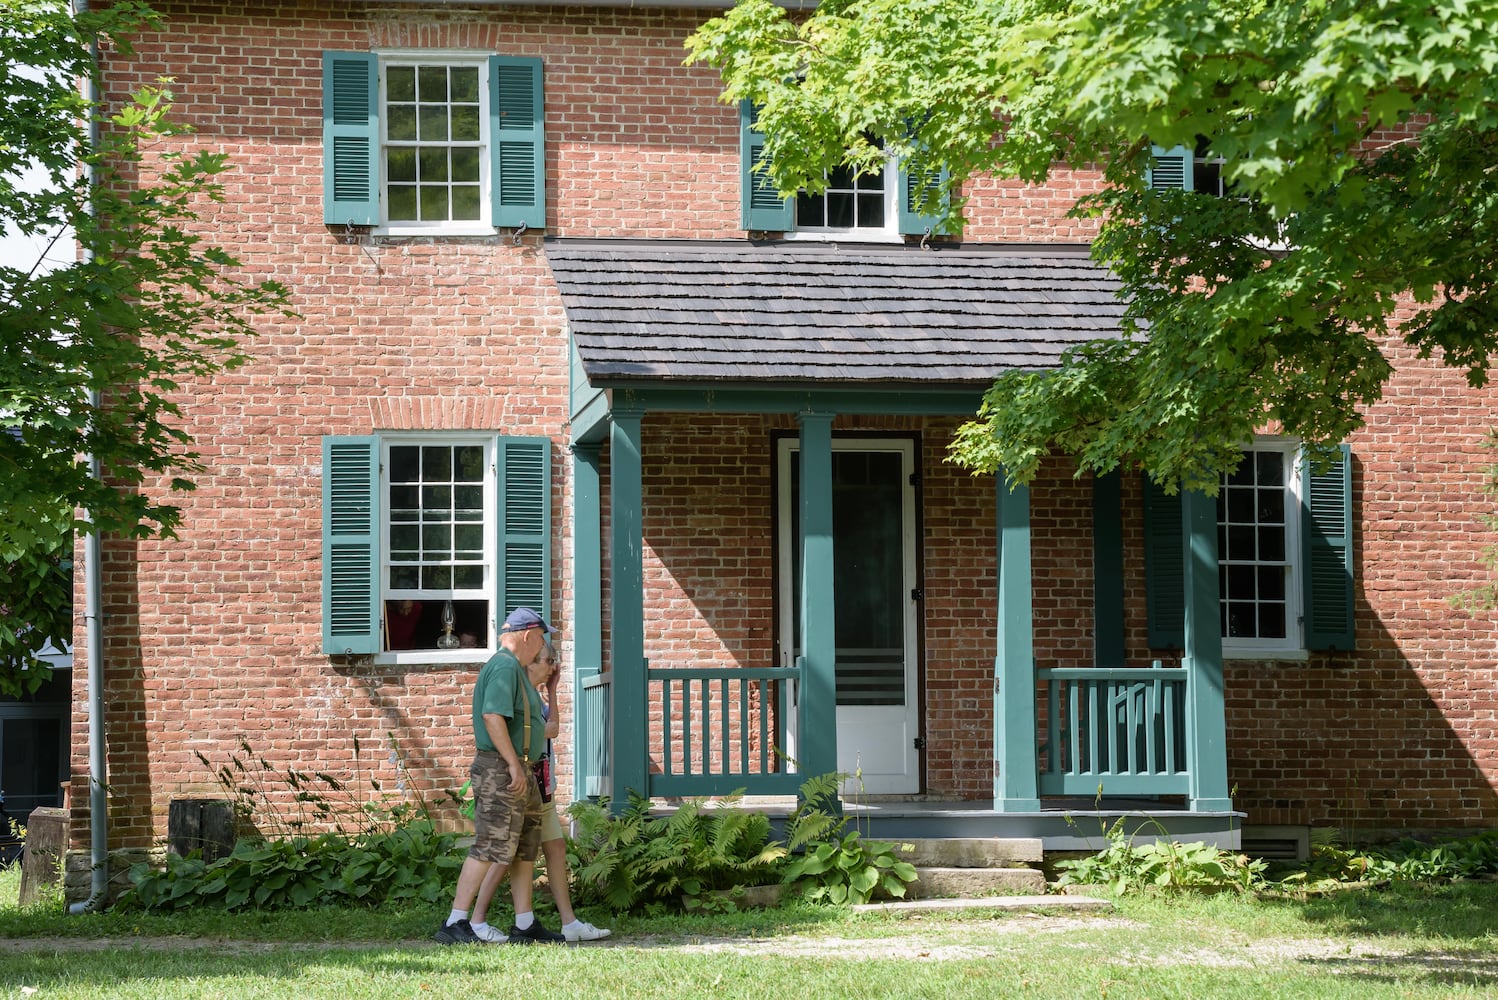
[438, 564]
[1258, 550]
[430, 539]
[853, 205]
[444, 143]
[434, 142]
[880, 205]
[1284, 551]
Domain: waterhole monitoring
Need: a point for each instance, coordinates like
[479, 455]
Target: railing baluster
[1152, 728]
[1102, 760]
[1075, 737]
[726, 717]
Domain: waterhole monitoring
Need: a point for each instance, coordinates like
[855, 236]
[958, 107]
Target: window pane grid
[436, 515]
[433, 143]
[850, 202]
[1253, 568]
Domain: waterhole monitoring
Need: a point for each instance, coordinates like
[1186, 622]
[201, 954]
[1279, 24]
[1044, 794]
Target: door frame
[786, 445]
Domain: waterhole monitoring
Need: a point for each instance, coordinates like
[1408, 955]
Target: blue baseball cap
[524, 618]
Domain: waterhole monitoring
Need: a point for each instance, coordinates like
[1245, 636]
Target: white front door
[874, 581]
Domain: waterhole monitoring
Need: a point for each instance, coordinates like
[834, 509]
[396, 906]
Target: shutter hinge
[918, 593]
[915, 479]
[919, 742]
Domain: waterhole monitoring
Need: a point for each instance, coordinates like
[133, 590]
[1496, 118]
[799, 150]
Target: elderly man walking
[509, 732]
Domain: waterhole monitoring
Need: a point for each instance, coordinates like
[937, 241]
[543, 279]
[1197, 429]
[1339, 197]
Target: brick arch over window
[438, 30]
[441, 413]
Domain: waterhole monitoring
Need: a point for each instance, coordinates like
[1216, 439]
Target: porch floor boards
[1061, 824]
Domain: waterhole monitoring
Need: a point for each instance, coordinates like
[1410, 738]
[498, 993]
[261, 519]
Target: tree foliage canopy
[1266, 309]
[93, 349]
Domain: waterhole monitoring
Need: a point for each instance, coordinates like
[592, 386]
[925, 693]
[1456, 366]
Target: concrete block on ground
[41, 860]
[974, 852]
[946, 883]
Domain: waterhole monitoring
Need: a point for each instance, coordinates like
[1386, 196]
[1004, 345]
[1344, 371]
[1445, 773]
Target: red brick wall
[214, 638]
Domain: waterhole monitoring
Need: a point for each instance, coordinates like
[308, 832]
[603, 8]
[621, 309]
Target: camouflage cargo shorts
[506, 824]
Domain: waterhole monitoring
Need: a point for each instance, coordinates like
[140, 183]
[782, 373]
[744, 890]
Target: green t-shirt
[503, 689]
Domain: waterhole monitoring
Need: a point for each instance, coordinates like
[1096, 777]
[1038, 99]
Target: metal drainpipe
[98, 798]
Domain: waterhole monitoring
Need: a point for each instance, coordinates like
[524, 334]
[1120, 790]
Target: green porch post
[1015, 779]
[817, 709]
[1206, 731]
[628, 751]
[586, 627]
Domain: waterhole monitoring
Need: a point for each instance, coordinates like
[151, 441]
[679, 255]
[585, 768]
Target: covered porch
[714, 330]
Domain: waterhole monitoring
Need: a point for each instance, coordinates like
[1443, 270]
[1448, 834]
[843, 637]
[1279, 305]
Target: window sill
[434, 231]
[1266, 655]
[850, 236]
[429, 657]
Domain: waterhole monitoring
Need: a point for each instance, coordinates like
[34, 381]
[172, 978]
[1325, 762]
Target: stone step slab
[973, 852]
[967, 883]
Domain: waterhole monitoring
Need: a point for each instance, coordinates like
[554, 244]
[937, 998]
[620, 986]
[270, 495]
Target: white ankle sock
[524, 920]
[455, 916]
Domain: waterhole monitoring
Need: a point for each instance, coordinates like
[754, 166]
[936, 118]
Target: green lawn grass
[1404, 941]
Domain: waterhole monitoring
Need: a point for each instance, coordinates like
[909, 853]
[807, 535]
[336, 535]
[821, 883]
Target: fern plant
[636, 861]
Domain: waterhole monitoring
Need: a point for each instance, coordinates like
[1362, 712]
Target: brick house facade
[216, 639]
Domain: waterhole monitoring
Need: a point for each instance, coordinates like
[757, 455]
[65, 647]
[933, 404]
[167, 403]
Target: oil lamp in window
[447, 640]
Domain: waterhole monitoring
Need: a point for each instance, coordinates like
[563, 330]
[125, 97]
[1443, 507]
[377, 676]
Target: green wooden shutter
[350, 139]
[1326, 534]
[1170, 170]
[350, 545]
[1108, 572]
[1164, 568]
[912, 190]
[517, 136]
[763, 208]
[523, 467]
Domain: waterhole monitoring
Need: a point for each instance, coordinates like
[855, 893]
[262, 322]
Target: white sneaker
[489, 934]
[581, 930]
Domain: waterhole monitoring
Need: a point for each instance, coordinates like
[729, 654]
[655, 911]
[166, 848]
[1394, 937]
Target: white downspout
[98, 797]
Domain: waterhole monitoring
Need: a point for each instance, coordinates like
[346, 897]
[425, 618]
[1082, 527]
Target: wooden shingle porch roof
[733, 311]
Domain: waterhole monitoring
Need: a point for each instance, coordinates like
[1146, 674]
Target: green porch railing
[1119, 728]
[721, 729]
[594, 716]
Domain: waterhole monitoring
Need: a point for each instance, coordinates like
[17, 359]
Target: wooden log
[205, 825]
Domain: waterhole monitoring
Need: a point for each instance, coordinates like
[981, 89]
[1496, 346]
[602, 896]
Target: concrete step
[973, 852]
[968, 883]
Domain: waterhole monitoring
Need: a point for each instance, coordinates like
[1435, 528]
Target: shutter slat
[913, 189]
[763, 208]
[351, 126]
[1326, 510]
[1164, 568]
[351, 532]
[524, 491]
[517, 111]
[1170, 169]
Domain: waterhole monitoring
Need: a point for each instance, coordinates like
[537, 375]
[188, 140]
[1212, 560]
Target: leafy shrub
[375, 846]
[1161, 865]
[635, 861]
[836, 865]
[1406, 860]
[412, 863]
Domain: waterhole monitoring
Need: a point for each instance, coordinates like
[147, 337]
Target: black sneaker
[457, 932]
[536, 933]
